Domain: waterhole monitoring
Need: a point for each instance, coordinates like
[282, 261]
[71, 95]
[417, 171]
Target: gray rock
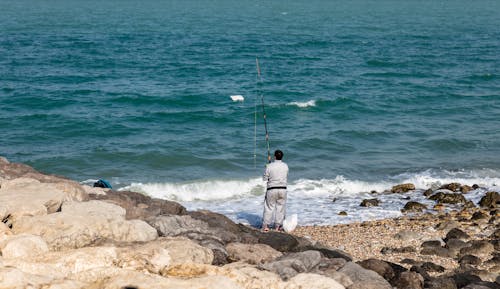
[388, 250]
[482, 285]
[464, 279]
[363, 278]
[409, 279]
[279, 241]
[480, 216]
[470, 260]
[440, 283]
[456, 244]
[447, 225]
[326, 251]
[456, 234]
[478, 248]
[407, 235]
[292, 264]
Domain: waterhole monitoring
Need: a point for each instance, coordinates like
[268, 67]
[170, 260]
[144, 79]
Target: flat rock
[140, 206]
[438, 251]
[456, 234]
[383, 268]
[15, 278]
[440, 283]
[66, 230]
[292, 264]
[251, 253]
[406, 235]
[363, 278]
[470, 259]
[310, 280]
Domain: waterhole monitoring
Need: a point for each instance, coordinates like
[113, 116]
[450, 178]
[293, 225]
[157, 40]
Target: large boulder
[363, 278]
[279, 241]
[292, 264]
[21, 246]
[440, 283]
[79, 227]
[140, 206]
[381, 267]
[28, 197]
[251, 253]
[11, 171]
[15, 278]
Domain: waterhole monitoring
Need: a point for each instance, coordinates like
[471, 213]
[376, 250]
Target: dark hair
[278, 154]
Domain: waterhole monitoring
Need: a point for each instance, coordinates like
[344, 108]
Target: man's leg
[280, 208]
[269, 207]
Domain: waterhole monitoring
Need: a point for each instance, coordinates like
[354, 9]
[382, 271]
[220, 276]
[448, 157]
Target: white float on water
[237, 97]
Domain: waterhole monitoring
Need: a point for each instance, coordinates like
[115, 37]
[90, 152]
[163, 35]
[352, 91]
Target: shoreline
[57, 233]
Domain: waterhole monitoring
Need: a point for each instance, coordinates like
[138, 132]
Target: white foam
[309, 103]
[316, 202]
[237, 97]
[207, 190]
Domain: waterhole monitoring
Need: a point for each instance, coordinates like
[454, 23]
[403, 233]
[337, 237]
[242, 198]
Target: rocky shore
[57, 233]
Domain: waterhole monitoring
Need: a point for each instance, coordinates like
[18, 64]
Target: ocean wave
[309, 103]
[212, 190]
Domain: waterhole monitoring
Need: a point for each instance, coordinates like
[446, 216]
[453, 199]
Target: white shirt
[276, 174]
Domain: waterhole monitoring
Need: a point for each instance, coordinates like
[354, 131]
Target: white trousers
[274, 205]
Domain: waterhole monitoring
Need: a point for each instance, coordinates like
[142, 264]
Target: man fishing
[274, 204]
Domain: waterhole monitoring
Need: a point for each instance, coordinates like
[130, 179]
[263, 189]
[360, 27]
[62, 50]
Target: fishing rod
[263, 113]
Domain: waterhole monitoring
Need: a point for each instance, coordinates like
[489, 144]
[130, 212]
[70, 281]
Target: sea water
[360, 95]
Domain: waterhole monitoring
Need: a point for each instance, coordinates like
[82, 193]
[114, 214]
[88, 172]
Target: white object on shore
[237, 97]
[290, 223]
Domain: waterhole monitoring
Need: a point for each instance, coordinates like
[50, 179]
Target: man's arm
[266, 174]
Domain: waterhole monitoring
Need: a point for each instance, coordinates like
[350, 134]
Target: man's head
[278, 155]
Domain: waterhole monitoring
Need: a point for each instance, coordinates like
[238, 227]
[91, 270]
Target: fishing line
[263, 112]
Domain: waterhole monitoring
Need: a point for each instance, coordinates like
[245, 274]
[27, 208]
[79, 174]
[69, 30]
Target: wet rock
[456, 234]
[480, 216]
[469, 260]
[403, 188]
[478, 248]
[251, 253]
[342, 213]
[448, 198]
[482, 285]
[292, 264]
[465, 189]
[140, 206]
[414, 207]
[331, 264]
[370, 203]
[409, 279]
[363, 278]
[454, 187]
[490, 200]
[431, 267]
